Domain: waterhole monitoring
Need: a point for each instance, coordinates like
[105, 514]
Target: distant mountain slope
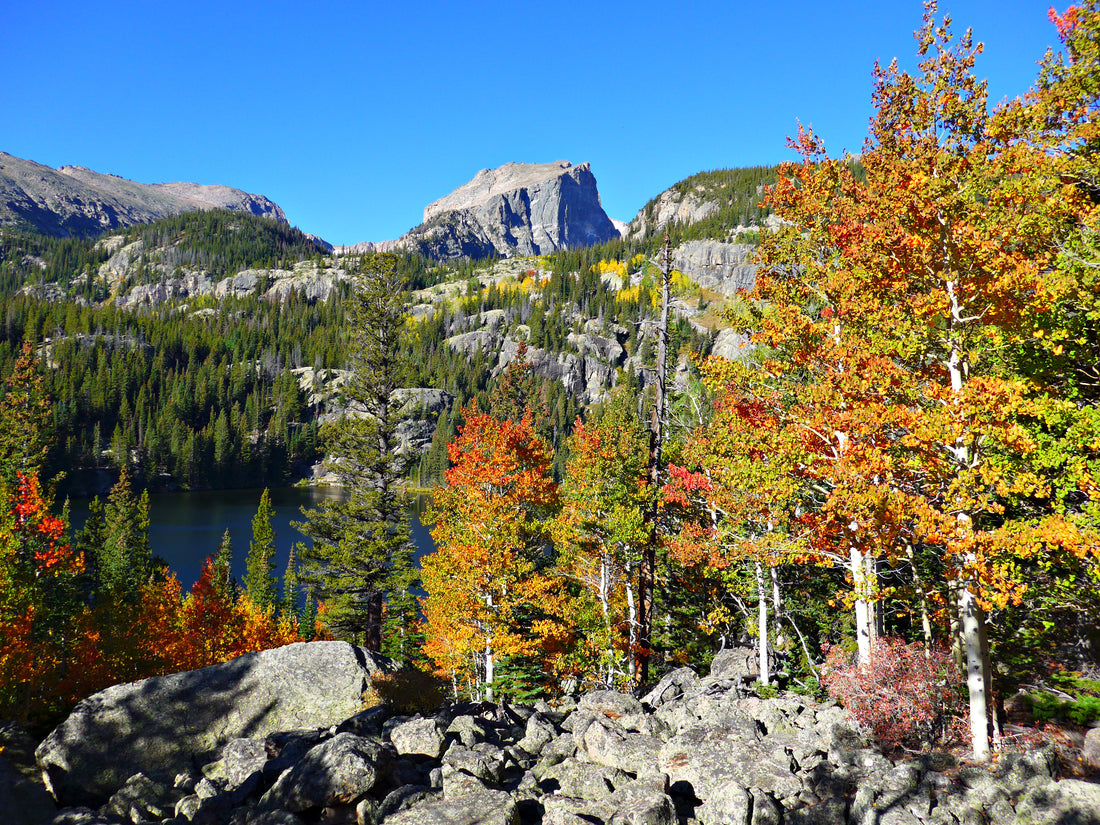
[76, 202]
[714, 205]
[516, 209]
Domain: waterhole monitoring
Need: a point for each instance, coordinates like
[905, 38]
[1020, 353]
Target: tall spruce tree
[124, 562]
[259, 578]
[223, 568]
[361, 557]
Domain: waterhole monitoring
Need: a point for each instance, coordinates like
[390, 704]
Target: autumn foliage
[61, 644]
[490, 599]
[907, 694]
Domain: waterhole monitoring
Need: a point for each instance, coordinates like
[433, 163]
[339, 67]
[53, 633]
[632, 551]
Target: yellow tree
[913, 286]
[744, 477]
[600, 531]
[489, 595]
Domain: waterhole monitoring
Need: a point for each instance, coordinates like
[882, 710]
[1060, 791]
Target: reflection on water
[186, 527]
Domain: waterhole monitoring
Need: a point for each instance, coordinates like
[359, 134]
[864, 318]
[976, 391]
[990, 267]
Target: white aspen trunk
[971, 617]
[777, 607]
[489, 656]
[632, 619]
[777, 601]
[762, 625]
[605, 592]
[863, 617]
[955, 626]
[972, 620]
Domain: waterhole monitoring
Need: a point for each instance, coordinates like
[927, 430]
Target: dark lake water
[185, 528]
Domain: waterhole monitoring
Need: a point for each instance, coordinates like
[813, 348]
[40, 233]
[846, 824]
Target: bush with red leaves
[908, 695]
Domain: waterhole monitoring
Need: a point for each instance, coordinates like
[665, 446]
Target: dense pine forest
[889, 497]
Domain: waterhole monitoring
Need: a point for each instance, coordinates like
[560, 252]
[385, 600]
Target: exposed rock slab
[158, 725]
[516, 209]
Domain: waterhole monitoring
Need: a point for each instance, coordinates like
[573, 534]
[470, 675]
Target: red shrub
[907, 697]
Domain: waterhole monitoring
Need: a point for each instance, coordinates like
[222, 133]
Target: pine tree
[292, 596]
[124, 562]
[260, 583]
[24, 419]
[361, 552]
[224, 582]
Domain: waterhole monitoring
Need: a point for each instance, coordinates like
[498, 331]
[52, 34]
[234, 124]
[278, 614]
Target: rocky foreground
[280, 738]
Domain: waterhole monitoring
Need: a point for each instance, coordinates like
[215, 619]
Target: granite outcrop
[516, 209]
[692, 751]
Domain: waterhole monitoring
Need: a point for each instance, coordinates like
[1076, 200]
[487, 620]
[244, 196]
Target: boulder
[143, 799]
[671, 687]
[1090, 750]
[582, 780]
[606, 742]
[337, 771]
[465, 801]
[160, 725]
[1069, 802]
[738, 664]
[710, 757]
[423, 737]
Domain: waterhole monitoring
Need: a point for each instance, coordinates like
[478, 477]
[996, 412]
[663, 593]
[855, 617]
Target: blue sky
[353, 116]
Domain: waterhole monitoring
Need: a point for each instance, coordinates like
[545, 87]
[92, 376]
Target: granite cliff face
[517, 209]
[73, 201]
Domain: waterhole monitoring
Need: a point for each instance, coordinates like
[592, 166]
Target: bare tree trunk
[762, 625]
[657, 434]
[922, 601]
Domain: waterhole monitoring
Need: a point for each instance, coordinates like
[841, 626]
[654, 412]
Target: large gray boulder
[161, 725]
[337, 771]
[1090, 750]
[711, 757]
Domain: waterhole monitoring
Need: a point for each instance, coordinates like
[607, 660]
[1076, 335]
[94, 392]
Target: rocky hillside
[281, 737]
[716, 205]
[517, 209]
[76, 202]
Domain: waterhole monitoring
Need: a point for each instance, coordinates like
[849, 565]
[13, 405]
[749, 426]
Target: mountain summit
[516, 209]
[74, 201]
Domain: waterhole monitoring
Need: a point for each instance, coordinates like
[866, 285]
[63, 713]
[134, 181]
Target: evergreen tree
[24, 419]
[292, 596]
[224, 582]
[123, 562]
[361, 553]
[89, 540]
[259, 579]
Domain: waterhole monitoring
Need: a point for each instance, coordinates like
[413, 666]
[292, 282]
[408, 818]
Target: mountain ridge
[74, 201]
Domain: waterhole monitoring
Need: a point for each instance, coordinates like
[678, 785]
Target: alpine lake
[187, 527]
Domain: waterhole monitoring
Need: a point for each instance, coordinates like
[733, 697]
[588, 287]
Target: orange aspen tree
[489, 594]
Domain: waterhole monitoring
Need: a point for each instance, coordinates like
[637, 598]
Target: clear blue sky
[353, 116]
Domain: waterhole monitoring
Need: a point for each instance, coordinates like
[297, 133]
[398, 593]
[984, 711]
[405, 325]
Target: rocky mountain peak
[491, 182]
[515, 209]
[77, 201]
